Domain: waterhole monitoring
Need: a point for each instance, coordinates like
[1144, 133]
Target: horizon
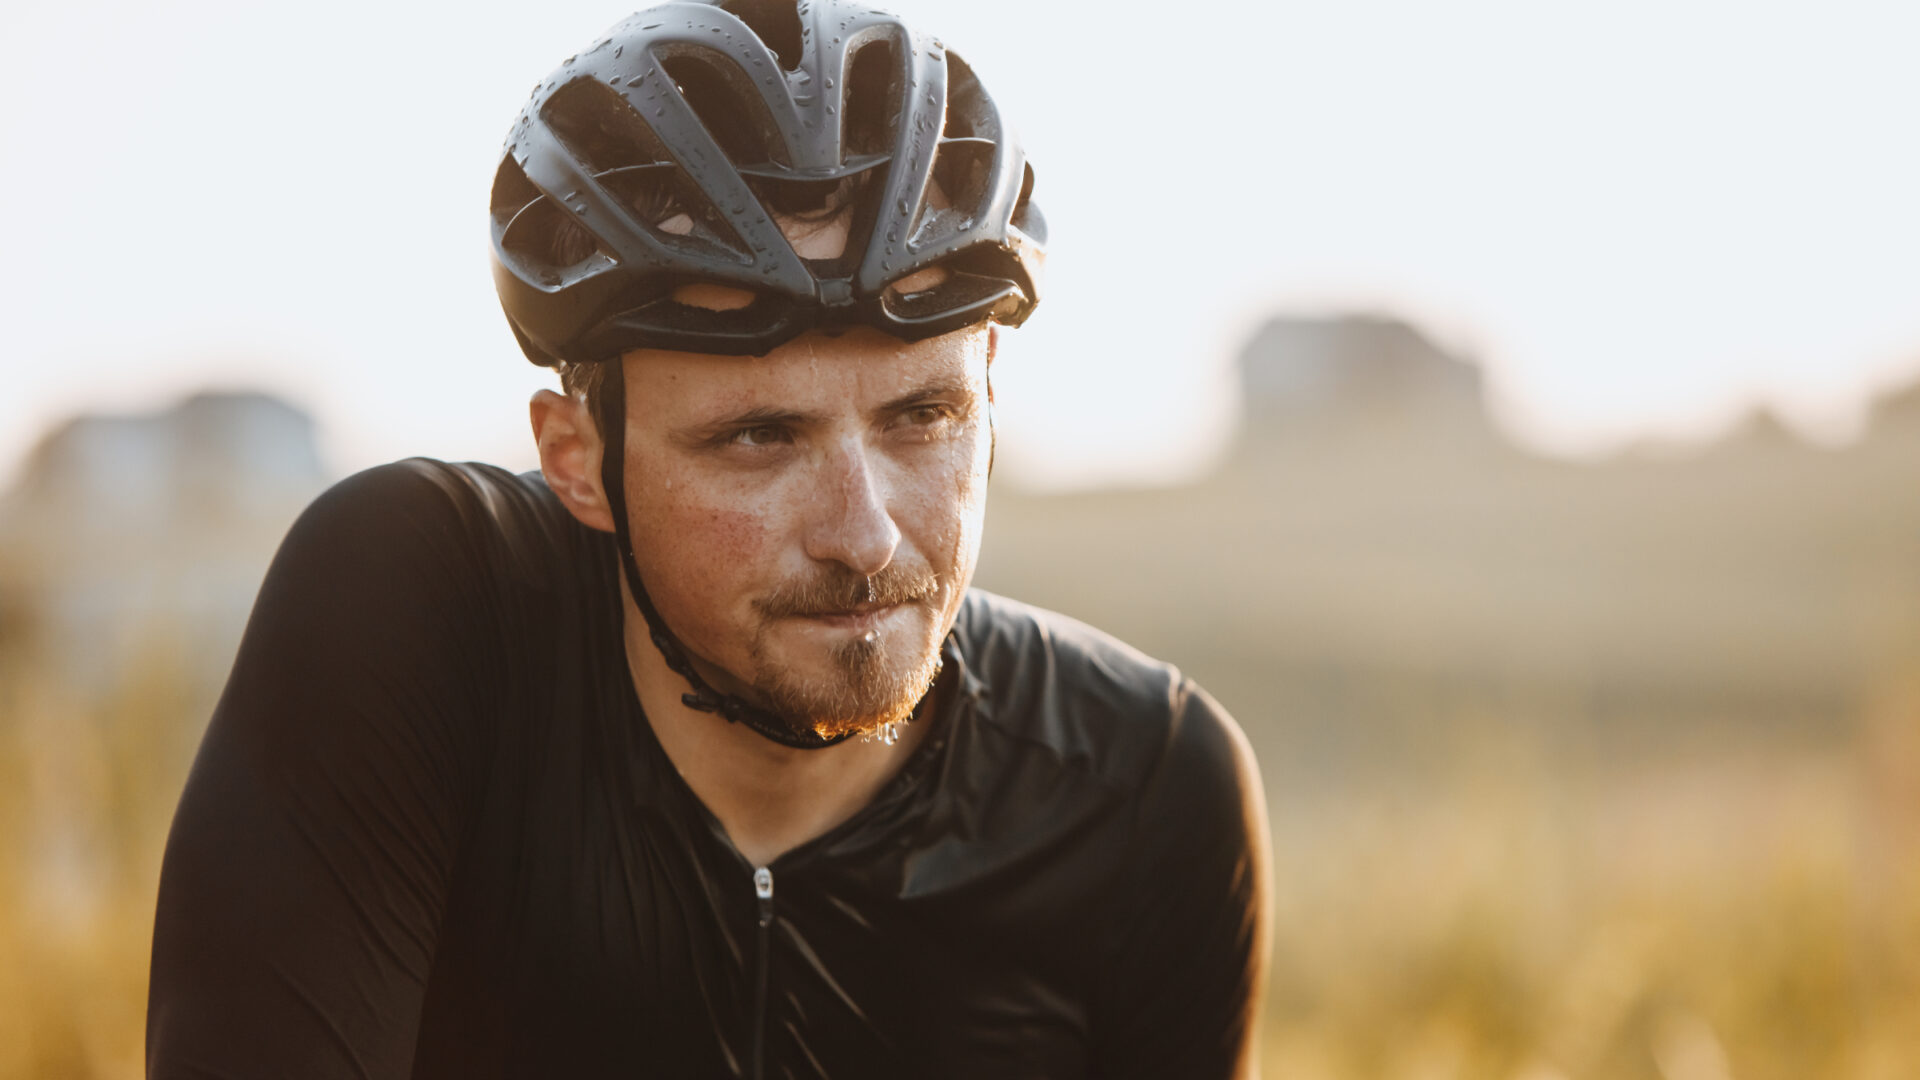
[1645, 222]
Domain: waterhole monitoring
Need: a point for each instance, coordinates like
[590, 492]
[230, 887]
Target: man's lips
[858, 617]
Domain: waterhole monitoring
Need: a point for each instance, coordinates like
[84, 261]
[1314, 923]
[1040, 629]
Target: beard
[867, 683]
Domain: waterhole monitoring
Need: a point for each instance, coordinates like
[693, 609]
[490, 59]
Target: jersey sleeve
[308, 864]
[1189, 940]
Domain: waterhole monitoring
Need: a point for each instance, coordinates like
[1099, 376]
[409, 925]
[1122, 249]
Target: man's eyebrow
[947, 388]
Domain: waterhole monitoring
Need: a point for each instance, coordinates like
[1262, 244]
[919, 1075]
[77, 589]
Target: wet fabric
[430, 833]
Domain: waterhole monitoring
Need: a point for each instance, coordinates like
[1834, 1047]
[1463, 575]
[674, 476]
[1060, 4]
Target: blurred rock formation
[130, 552]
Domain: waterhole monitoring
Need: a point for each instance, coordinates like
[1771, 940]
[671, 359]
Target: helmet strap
[704, 698]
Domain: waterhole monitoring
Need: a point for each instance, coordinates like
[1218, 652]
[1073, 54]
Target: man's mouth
[858, 617]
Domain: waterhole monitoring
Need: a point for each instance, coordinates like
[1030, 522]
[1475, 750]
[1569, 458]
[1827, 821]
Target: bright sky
[1643, 215]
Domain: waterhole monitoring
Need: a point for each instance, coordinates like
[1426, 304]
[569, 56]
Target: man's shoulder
[466, 511]
[1088, 696]
[445, 494]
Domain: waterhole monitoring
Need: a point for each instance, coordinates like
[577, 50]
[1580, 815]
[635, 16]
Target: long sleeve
[308, 865]
[1188, 943]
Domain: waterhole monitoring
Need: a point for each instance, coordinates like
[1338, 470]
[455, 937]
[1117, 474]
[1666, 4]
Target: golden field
[1604, 771]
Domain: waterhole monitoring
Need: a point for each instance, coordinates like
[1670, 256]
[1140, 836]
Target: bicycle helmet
[659, 157]
[676, 137]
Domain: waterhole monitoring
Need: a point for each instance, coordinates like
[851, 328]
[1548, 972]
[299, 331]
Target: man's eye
[764, 435]
[926, 414]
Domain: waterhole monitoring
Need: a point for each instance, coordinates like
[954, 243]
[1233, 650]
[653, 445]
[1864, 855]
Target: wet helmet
[670, 144]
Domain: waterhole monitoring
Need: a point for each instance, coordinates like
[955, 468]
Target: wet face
[807, 521]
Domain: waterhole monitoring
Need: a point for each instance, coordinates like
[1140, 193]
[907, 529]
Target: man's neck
[770, 798]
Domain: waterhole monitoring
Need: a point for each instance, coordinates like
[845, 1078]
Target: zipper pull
[763, 889]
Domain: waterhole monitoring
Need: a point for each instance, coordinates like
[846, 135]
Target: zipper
[763, 892]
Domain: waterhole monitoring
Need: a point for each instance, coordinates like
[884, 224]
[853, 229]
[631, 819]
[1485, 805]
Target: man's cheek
[711, 549]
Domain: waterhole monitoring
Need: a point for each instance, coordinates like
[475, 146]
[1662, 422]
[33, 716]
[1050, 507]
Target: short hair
[587, 381]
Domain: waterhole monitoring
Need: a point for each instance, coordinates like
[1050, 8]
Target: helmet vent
[872, 99]
[600, 129]
[512, 191]
[679, 212]
[550, 246]
[969, 115]
[962, 170]
[775, 22]
[724, 99]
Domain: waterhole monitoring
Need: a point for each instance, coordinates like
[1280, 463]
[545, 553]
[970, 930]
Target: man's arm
[307, 867]
[1189, 943]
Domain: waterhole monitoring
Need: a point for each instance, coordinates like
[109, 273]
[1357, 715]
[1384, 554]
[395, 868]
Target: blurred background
[1510, 412]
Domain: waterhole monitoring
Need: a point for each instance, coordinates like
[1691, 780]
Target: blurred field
[1575, 771]
[1585, 771]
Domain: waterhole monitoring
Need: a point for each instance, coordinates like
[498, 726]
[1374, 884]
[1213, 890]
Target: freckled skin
[745, 474]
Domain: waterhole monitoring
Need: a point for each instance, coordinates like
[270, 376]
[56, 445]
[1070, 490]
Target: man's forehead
[817, 371]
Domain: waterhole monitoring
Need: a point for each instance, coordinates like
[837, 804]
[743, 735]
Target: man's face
[807, 522]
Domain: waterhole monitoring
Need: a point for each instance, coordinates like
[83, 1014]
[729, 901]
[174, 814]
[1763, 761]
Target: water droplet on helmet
[829, 82]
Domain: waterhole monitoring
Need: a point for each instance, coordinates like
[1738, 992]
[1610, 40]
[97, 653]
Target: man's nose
[851, 523]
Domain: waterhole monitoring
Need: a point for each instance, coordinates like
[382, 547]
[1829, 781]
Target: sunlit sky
[1641, 216]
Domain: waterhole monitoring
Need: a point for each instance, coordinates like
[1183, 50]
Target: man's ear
[570, 450]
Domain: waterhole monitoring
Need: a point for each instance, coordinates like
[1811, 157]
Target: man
[694, 755]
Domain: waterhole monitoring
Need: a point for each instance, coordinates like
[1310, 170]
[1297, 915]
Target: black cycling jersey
[430, 833]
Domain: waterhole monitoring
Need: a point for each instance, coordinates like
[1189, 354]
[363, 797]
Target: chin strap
[737, 710]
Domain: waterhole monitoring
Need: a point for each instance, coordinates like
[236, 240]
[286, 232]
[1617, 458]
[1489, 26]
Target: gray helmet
[709, 116]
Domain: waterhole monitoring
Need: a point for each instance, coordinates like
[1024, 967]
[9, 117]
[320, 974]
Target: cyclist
[694, 754]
